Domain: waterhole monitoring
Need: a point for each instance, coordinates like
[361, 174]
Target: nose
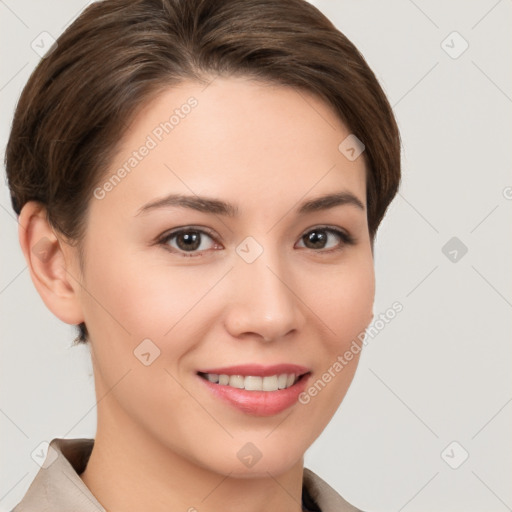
[263, 302]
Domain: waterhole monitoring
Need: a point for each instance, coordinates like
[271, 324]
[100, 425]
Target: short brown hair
[118, 54]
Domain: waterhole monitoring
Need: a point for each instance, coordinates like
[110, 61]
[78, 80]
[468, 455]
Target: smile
[256, 389]
[253, 382]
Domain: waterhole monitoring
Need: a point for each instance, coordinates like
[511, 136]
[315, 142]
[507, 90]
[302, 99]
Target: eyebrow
[218, 207]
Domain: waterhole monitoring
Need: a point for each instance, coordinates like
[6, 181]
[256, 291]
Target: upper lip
[258, 370]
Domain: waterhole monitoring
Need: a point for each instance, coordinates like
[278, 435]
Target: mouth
[254, 382]
[255, 389]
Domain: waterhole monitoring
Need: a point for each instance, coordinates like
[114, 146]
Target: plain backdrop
[426, 422]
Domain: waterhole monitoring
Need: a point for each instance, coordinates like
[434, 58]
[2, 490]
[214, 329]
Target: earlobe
[50, 263]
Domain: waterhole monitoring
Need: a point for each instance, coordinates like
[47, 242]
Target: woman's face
[260, 286]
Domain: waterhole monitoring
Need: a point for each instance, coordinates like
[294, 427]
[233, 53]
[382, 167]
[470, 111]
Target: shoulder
[57, 486]
[327, 498]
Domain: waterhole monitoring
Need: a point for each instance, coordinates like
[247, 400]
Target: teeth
[236, 381]
[254, 383]
[282, 380]
[269, 383]
[223, 379]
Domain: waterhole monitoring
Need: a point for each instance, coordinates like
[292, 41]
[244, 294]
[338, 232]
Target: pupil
[192, 240]
[315, 237]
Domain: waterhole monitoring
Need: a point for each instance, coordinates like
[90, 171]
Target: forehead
[236, 139]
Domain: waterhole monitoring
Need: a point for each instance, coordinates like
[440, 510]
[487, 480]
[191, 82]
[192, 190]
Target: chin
[252, 462]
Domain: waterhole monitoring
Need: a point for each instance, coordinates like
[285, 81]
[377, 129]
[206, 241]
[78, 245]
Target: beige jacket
[57, 487]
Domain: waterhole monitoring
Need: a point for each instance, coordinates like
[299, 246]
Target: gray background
[441, 370]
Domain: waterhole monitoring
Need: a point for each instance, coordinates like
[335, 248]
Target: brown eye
[318, 238]
[191, 242]
[187, 241]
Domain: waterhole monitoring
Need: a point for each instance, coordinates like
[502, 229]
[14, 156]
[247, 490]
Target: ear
[53, 264]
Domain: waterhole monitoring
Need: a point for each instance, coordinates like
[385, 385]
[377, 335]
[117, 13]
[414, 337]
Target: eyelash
[346, 239]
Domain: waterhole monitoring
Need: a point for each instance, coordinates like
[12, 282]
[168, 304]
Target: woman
[199, 184]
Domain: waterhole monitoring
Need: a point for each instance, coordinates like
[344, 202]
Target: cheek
[137, 297]
[344, 300]
[344, 308]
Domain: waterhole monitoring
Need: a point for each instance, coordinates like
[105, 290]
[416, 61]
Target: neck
[130, 470]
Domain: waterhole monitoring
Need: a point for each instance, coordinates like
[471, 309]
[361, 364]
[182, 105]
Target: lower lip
[258, 403]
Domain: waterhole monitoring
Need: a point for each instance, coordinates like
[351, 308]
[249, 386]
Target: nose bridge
[264, 301]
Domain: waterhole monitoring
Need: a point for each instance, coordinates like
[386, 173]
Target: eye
[190, 240]
[317, 239]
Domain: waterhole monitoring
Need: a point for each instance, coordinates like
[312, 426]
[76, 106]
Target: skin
[163, 441]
